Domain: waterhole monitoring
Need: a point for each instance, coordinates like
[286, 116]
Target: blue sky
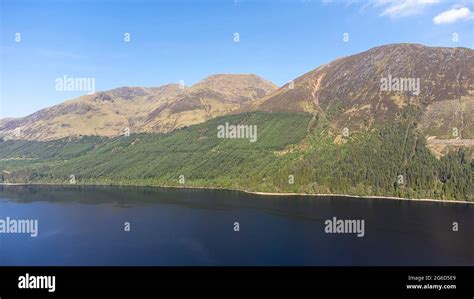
[189, 40]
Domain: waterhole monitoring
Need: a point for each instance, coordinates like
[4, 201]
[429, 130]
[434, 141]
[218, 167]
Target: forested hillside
[294, 152]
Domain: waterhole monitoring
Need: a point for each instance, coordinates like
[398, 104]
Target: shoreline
[255, 192]
[359, 196]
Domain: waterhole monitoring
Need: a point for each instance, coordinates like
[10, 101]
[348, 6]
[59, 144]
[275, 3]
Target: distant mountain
[214, 96]
[138, 109]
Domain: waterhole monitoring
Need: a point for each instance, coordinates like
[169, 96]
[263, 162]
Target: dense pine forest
[294, 152]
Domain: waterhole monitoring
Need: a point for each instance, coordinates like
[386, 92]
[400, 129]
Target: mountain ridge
[138, 109]
[346, 92]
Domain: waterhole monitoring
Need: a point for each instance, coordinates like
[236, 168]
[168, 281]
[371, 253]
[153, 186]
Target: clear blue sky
[189, 40]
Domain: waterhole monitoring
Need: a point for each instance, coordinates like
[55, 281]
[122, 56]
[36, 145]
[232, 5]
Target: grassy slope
[367, 164]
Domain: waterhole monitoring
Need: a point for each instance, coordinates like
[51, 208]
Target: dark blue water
[85, 226]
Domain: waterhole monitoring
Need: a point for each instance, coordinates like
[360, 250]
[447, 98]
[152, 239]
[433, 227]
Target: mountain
[348, 91]
[214, 96]
[138, 109]
[390, 161]
[414, 142]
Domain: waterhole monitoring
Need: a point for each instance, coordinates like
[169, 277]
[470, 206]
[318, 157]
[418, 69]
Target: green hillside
[389, 160]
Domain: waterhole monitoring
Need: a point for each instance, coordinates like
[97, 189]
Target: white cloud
[402, 8]
[453, 15]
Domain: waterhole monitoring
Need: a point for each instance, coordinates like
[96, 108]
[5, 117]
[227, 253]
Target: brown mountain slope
[138, 109]
[348, 91]
[214, 96]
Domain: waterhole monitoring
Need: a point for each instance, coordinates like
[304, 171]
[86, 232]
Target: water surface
[183, 227]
